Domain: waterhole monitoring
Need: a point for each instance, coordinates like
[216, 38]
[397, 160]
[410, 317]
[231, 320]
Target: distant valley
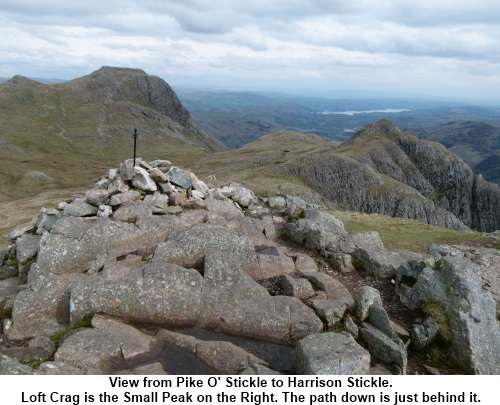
[237, 118]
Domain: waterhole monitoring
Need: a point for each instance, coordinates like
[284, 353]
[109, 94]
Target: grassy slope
[60, 131]
[398, 233]
[259, 165]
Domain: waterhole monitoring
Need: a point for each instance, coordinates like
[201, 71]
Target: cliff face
[111, 85]
[383, 170]
[477, 143]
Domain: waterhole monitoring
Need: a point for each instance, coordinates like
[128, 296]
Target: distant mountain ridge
[54, 128]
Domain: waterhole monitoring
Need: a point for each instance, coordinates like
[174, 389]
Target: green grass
[398, 233]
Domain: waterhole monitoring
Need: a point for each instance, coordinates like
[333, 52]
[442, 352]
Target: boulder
[129, 268]
[331, 354]
[223, 208]
[320, 231]
[26, 250]
[487, 259]
[242, 195]
[127, 170]
[162, 163]
[165, 294]
[305, 263]
[296, 287]
[218, 294]
[94, 349]
[10, 366]
[178, 198]
[383, 263]
[124, 198]
[189, 248]
[329, 310]
[369, 240]
[97, 197]
[295, 204]
[79, 208]
[117, 186]
[158, 202]
[333, 288]
[379, 318]
[43, 308]
[158, 176]
[199, 185]
[341, 262]
[277, 202]
[75, 242]
[102, 184]
[271, 264]
[46, 220]
[366, 296]
[166, 188]
[39, 349]
[132, 212]
[142, 180]
[221, 356]
[383, 348]
[179, 177]
[20, 230]
[452, 294]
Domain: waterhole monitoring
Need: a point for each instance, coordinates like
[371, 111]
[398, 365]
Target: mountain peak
[383, 126]
[19, 80]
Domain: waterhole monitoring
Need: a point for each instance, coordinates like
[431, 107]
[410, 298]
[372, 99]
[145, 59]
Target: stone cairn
[153, 263]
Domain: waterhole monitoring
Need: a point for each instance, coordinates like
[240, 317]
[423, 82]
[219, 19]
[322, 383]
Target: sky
[446, 49]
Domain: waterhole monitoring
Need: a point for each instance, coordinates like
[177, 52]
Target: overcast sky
[438, 48]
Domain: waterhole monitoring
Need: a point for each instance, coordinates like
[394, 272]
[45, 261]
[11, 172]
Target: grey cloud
[356, 41]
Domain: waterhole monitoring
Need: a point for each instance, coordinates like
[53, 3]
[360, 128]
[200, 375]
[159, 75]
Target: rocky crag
[385, 170]
[153, 271]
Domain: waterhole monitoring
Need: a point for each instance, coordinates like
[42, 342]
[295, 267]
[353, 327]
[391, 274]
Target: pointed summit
[380, 127]
[19, 80]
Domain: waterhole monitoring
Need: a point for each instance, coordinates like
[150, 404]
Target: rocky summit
[154, 271]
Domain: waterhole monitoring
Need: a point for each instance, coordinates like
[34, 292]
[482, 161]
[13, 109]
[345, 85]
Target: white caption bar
[254, 390]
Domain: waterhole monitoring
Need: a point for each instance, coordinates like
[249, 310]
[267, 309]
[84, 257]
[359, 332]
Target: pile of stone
[135, 272]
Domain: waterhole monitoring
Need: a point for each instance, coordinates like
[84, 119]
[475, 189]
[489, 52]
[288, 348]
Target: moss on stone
[5, 312]
[436, 311]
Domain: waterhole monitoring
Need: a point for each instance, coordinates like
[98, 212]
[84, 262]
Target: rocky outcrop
[452, 294]
[384, 170]
[159, 278]
[324, 233]
[332, 354]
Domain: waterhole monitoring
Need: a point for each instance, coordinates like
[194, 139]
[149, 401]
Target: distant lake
[357, 112]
